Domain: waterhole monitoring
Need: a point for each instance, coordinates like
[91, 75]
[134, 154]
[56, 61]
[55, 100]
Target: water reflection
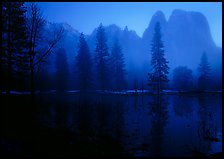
[96, 121]
[159, 113]
[137, 125]
[183, 106]
[207, 125]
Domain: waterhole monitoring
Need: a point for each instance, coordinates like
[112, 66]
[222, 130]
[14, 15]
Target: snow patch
[16, 92]
[72, 91]
[123, 91]
[170, 91]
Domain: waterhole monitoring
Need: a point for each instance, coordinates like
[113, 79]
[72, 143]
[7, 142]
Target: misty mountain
[186, 35]
[148, 33]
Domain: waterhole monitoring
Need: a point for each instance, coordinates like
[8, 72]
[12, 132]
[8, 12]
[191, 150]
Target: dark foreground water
[73, 124]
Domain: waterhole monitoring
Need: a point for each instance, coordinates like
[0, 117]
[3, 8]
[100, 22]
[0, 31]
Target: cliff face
[148, 33]
[186, 35]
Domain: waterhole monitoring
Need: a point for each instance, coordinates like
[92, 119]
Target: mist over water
[65, 93]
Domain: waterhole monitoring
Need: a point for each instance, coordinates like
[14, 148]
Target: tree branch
[59, 35]
[44, 55]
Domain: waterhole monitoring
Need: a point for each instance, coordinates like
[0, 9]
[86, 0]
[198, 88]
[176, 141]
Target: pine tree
[204, 72]
[102, 58]
[14, 42]
[118, 66]
[159, 65]
[84, 64]
[61, 69]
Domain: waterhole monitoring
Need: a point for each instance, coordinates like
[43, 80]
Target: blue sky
[85, 16]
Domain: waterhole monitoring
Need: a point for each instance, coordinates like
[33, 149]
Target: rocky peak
[157, 17]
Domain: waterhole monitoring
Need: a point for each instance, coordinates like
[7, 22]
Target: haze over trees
[182, 78]
[110, 93]
[110, 58]
[102, 59]
[204, 70]
[38, 48]
[84, 64]
[62, 72]
[118, 67]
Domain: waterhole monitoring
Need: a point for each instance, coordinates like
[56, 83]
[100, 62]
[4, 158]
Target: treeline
[27, 48]
[101, 70]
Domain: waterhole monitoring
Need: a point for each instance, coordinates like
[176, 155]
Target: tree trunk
[32, 88]
[9, 73]
[9, 58]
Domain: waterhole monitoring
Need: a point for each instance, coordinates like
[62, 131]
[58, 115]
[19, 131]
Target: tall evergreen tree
[61, 70]
[159, 65]
[102, 58]
[84, 64]
[118, 66]
[204, 70]
[14, 42]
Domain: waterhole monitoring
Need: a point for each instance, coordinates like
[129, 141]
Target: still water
[74, 124]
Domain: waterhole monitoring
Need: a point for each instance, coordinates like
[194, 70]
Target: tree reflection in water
[159, 113]
[89, 125]
[207, 126]
[183, 106]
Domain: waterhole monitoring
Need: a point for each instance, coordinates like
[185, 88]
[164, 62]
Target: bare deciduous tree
[38, 51]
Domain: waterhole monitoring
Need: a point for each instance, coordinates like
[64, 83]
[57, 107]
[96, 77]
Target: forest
[110, 93]
[34, 58]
